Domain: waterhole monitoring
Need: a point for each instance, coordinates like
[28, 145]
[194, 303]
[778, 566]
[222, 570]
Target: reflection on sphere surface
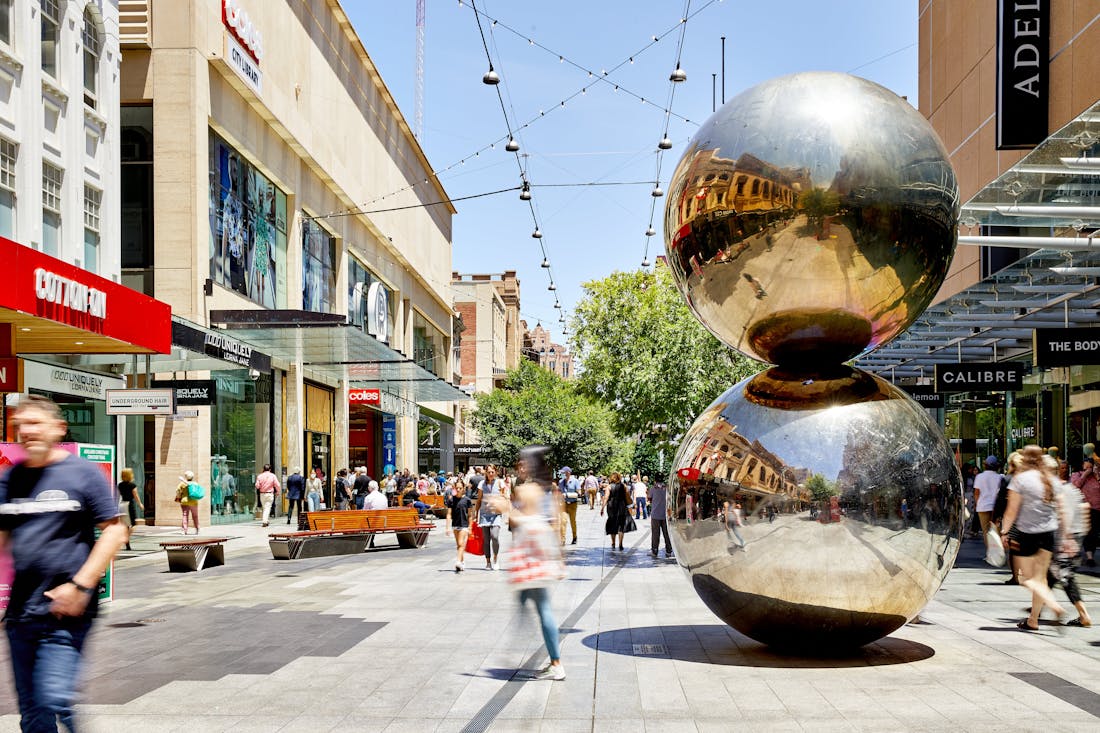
[811, 217]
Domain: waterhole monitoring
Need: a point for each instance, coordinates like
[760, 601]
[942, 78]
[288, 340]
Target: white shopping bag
[994, 550]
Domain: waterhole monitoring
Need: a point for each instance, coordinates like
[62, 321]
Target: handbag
[475, 543]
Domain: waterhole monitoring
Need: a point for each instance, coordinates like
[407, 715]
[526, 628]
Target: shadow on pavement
[719, 644]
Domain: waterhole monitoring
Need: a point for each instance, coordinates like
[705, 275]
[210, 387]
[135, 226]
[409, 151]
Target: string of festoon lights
[677, 77]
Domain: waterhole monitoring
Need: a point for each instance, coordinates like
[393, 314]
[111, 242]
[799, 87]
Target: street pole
[723, 69]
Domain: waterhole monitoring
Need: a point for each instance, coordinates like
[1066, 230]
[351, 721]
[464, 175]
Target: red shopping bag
[475, 545]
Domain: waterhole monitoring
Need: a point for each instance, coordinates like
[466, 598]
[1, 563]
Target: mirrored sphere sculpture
[813, 216]
[849, 505]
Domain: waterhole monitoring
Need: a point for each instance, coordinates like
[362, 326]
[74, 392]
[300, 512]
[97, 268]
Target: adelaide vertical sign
[1023, 75]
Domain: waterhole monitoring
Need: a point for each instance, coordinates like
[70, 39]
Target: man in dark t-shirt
[361, 486]
[460, 504]
[51, 503]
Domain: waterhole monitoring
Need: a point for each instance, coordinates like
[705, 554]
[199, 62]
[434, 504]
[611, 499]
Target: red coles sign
[689, 473]
[365, 396]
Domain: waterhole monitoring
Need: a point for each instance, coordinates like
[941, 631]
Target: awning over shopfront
[1045, 207]
[56, 308]
[328, 346]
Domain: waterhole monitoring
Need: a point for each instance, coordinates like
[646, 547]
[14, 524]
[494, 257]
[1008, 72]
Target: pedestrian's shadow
[720, 644]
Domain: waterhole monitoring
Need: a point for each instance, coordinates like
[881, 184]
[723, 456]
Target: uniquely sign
[190, 392]
[1059, 347]
[1023, 74]
[1005, 376]
[219, 346]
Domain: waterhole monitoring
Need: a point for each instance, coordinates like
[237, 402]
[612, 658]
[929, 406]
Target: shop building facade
[1010, 89]
[244, 208]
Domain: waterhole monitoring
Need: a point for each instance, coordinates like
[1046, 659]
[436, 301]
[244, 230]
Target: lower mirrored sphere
[816, 511]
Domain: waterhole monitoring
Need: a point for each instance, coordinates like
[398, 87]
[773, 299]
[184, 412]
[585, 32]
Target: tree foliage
[537, 407]
[820, 488]
[643, 353]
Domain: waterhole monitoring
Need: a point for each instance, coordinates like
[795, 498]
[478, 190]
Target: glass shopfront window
[429, 346]
[359, 281]
[247, 228]
[429, 443]
[240, 442]
[318, 268]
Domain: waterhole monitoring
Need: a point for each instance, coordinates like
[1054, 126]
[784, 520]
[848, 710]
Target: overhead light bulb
[645, 262]
[545, 263]
[650, 232]
[679, 75]
[536, 234]
[491, 77]
[665, 144]
[657, 192]
[552, 287]
[557, 304]
[525, 194]
[512, 145]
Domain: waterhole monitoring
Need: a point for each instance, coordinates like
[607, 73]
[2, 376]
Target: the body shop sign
[244, 46]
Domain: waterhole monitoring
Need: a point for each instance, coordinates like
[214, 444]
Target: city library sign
[1004, 376]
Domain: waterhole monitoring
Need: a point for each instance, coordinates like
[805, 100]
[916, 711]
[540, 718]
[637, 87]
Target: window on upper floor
[51, 35]
[52, 176]
[8, 153]
[91, 39]
[92, 199]
[5, 21]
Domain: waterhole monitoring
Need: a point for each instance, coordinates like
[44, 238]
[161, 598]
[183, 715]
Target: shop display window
[247, 228]
[318, 268]
[429, 346]
[240, 443]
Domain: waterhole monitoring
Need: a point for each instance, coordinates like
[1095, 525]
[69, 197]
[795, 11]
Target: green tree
[645, 355]
[820, 488]
[537, 407]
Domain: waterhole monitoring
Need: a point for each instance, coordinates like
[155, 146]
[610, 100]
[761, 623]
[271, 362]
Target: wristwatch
[81, 588]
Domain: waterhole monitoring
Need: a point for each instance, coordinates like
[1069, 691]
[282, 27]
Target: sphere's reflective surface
[851, 504]
[812, 216]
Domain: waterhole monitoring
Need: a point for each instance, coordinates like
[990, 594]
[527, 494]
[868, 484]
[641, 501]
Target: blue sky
[600, 136]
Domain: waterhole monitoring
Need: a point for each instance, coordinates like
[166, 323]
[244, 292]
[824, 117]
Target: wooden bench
[195, 554]
[349, 532]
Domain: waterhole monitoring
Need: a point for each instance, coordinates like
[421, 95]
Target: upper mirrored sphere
[813, 216]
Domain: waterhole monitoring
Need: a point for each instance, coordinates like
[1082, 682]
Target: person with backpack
[188, 494]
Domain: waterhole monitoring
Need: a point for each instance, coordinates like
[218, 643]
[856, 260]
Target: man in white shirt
[375, 499]
[640, 493]
[987, 485]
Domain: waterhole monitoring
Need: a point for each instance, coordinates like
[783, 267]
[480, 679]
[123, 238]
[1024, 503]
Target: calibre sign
[1003, 376]
[1023, 76]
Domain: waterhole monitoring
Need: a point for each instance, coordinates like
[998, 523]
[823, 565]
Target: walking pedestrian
[987, 484]
[1088, 481]
[188, 494]
[571, 495]
[591, 489]
[314, 491]
[361, 486]
[490, 520]
[52, 501]
[733, 519]
[295, 490]
[658, 519]
[1064, 566]
[619, 520]
[639, 492]
[535, 563]
[459, 506]
[128, 498]
[342, 494]
[268, 487]
[1030, 521]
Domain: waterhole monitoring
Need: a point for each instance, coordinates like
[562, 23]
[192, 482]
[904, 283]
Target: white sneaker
[459, 567]
[496, 565]
[551, 672]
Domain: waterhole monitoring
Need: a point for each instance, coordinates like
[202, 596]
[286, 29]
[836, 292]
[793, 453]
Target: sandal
[1022, 626]
[1079, 623]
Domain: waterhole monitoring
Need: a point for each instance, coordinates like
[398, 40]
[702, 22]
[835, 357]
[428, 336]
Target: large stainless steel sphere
[812, 217]
[850, 508]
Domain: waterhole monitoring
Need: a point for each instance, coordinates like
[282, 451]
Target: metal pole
[713, 93]
[723, 69]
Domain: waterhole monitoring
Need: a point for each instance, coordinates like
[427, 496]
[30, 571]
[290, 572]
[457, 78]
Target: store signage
[466, 449]
[53, 378]
[1004, 376]
[53, 290]
[72, 294]
[1058, 347]
[924, 395]
[1028, 431]
[140, 402]
[1023, 76]
[245, 67]
[378, 312]
[395, 405]
[365, 396]
[10, 375]
[190, 392]
[242, 28]
[389, 444]
[219, 346]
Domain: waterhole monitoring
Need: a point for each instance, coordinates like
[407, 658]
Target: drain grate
[151, 620]
[650, 650]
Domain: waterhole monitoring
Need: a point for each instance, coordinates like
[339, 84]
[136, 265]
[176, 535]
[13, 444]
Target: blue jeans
[46, 661]
[541, 597]
[640, 508]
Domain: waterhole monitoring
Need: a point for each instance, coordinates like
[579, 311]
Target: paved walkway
[394, 640]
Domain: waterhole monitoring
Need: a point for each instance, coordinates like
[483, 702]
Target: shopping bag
[475, 544]
[994, 550]
[533, 560]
